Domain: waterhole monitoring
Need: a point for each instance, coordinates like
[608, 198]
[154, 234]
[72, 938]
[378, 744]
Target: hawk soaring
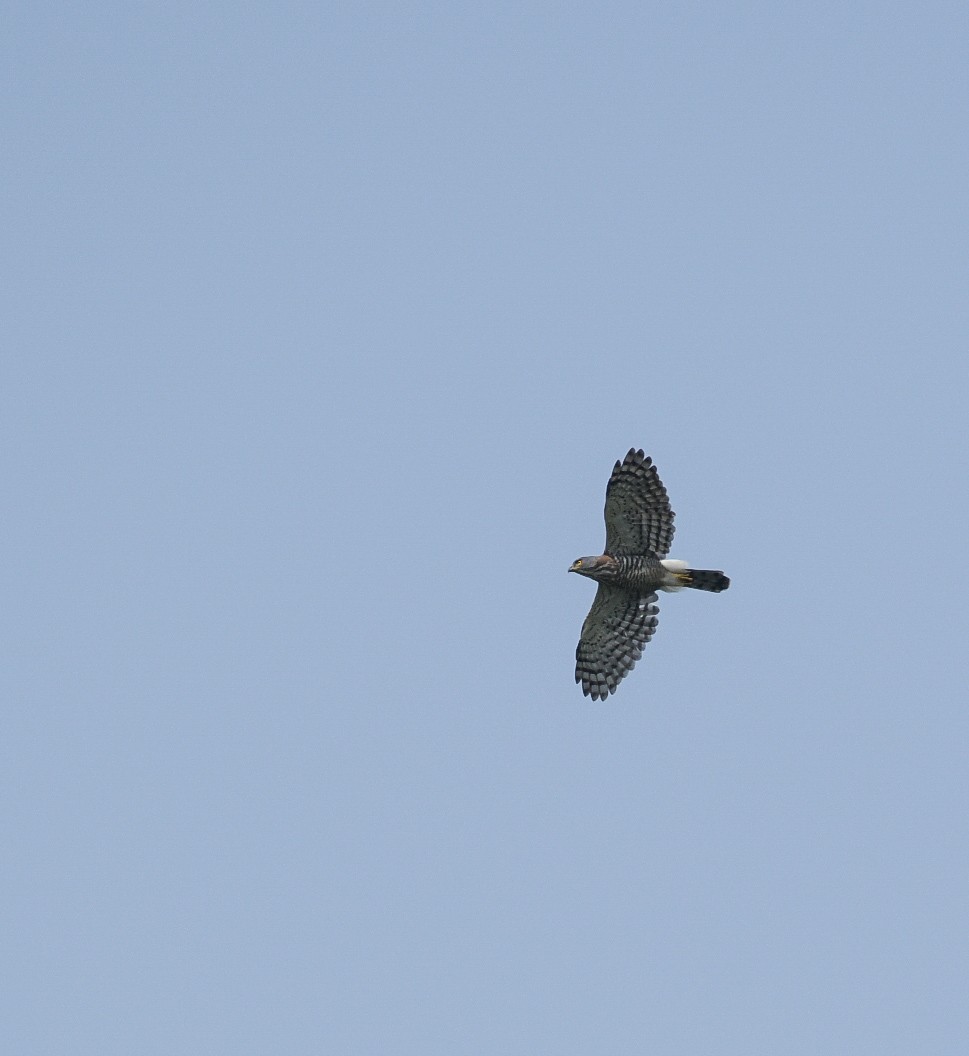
[623, 617]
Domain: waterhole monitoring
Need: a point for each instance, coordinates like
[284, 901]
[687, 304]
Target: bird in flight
[624, 614]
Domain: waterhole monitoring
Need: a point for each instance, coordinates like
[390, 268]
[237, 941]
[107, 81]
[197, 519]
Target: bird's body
[624, 614]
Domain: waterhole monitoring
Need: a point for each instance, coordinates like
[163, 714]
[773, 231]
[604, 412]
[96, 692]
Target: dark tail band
[704, 579]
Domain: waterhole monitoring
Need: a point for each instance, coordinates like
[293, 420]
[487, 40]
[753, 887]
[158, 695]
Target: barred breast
[640, 572]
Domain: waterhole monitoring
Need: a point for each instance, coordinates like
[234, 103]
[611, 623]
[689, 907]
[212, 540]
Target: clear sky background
[322, 328]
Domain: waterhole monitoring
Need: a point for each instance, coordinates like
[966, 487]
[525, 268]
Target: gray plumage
[624, 614]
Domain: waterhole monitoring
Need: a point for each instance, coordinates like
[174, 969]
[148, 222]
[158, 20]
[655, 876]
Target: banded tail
[679, 576]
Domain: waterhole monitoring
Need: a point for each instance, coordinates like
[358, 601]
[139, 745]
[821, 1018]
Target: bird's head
[602, 567]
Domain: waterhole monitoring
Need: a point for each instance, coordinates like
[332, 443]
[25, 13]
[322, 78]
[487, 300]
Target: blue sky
[322, 329]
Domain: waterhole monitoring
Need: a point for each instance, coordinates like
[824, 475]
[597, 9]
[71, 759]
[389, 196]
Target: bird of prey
[623, 617]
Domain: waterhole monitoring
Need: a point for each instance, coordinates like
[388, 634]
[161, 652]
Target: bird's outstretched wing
[638, 515]
[619, 624]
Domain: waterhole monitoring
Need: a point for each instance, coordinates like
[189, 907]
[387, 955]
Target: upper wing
[619, 624]
[638, 515]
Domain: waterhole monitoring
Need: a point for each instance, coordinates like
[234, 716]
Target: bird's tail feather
[705, 579]
[679, 576]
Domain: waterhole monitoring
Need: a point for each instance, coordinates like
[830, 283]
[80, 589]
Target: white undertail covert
[672, 583]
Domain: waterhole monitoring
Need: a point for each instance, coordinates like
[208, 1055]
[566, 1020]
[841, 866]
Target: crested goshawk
[623, 617]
